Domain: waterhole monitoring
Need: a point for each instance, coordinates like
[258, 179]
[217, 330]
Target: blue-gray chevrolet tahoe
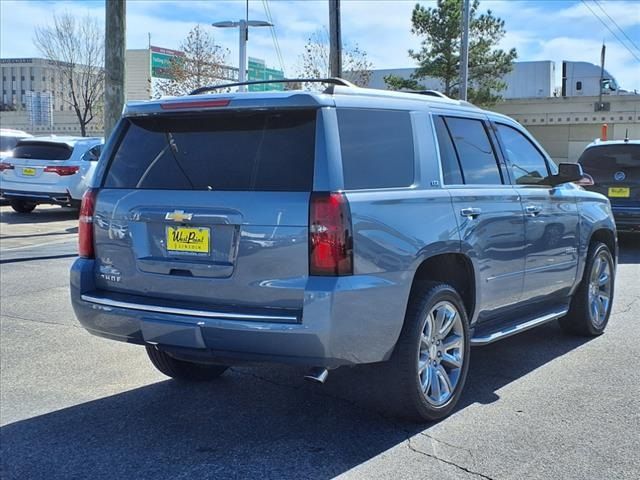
[342, 227]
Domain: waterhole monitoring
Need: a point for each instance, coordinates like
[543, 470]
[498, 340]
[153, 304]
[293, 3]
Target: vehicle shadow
[251, 423]
[629, 245]
[39, 215]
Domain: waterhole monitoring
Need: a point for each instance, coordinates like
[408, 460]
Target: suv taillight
[85, 225]
[330, 240]
[62, 171]
[5, 166]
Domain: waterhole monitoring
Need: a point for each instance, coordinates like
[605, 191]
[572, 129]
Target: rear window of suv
[246, 151]
[42, 151]
[602, 162]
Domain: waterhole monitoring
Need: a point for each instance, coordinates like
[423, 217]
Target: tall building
[21, 75]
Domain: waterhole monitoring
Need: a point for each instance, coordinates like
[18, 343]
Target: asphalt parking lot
[541, 405]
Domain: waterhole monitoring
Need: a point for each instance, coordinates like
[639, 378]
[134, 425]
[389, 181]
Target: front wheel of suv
[591, 304]
[182, 370]
[22, 206]
[427, 371]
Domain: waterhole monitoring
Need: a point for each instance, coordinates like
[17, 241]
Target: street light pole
[243, 30]
[335, 39]
[464, 51]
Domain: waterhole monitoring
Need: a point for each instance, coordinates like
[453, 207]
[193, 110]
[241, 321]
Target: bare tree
[77, 48]
[315, 60]
[202, 64]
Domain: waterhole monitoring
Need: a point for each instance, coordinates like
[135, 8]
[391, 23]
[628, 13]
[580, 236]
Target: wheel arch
[602, 234]
[608, 237]
[455, 269]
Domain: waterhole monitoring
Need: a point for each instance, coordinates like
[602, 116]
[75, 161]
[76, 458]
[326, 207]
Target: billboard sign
[39, 106]
[161, 59]
[257, 70]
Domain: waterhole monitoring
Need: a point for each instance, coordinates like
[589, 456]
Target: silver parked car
[8, 140]
[347, 227]
[55, 170]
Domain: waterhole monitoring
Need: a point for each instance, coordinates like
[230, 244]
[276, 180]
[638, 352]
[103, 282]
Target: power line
[274, 35]
[610, 30]
[616, 24]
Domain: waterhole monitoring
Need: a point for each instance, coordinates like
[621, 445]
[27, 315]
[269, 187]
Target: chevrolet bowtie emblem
[178, 216]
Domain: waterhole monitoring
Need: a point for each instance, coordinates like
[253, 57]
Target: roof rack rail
[430, 93]
[331, 80]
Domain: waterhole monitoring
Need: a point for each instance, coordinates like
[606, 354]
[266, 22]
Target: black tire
[580, 319]
[182, 370]
[22, 206]
[406, 397]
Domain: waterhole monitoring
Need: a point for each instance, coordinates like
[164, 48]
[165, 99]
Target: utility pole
[243, 28]
[600, 105]
[464, 51]
[114, 62]
[335, 39]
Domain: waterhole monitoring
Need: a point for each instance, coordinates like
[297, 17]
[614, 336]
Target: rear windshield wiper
[171, 144]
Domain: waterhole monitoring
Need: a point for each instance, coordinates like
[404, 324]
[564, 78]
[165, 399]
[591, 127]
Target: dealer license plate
[29, 172]
[188, 239]
[619, 192]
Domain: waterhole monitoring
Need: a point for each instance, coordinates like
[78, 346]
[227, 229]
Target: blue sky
[539, 29]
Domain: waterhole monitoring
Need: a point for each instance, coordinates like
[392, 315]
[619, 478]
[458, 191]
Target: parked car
[55, 170]
[615, 168]
[347, 227]
[8, 140]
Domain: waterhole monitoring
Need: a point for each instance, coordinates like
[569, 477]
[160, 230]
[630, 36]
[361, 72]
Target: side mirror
[90, 156]
[585, 181]
[567, 172]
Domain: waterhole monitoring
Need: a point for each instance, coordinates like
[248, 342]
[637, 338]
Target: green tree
[75, 46]
[439, 54]
[356, 66]
[202, 64]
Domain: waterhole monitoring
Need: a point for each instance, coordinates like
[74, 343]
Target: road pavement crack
[32, 292]
[457, 447]
[32, 235]
[627, 308]
[13, 317]
[448, 462]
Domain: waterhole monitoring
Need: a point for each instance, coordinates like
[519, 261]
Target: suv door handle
[470, 212]
[532, 210]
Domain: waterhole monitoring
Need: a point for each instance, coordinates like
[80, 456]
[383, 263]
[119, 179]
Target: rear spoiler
[331, 81]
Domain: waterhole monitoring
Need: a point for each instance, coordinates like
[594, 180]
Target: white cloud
[538, 29]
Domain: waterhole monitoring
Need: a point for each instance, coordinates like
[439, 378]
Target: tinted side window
[450, 166]
[251, 151]
[528, 166]
[479, 165]
[93, 154]
[42, 151]
[377, 148]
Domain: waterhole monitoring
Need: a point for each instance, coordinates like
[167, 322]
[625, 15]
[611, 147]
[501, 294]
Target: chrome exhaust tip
[317, 375]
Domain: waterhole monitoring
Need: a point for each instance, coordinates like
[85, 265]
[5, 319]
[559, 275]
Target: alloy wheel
[441, 352]
[600, 283]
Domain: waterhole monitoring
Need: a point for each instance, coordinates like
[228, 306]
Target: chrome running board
[510, 330]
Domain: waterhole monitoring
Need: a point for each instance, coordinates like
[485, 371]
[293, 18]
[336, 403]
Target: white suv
[55, 170]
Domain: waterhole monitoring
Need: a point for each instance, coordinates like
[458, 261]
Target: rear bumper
[627, 218]
[345, 321]
[56, 198]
